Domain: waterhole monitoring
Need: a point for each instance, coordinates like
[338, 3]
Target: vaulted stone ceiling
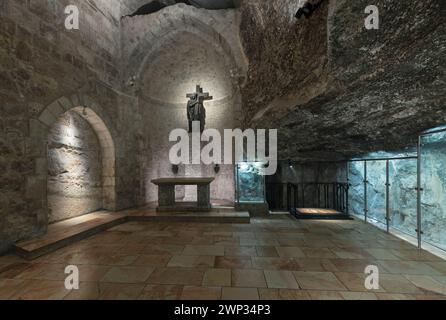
[335, 89]
[332, 88]
[155, 5]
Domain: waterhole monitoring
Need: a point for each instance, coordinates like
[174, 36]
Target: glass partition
[376, 191]
[356, 189]
[433, 184]
[403, 195]
[391, 189]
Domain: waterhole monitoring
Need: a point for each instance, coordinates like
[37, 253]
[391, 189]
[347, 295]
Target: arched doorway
[81, 174]
[87, 110]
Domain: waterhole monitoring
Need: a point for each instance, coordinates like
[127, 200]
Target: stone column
[204, 196]
[166, 195]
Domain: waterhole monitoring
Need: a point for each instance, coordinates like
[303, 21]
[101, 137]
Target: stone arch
[90, 111]
[164, 26]
[152, 58]
[171, 36]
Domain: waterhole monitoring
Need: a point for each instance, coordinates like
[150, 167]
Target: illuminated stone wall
[174, 72]
[74, 168]
[166, 55]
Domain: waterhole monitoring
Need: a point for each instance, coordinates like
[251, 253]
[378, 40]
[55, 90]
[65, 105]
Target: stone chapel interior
[85, 174]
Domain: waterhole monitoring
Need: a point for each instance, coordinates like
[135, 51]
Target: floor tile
[240, 294]
[192, 261]
[246, 278]
[201, 293]
[147, 260]
[323, 253]
[325, 295]
[119, 291]
[41, 290]
[393, 283]
[354, 281]
[382, 254]
[349, 295]
[161, 292]
[394, 296]
[288, 264]
[280, 280]
[217, 278]
[9, 287]
[127, 274]
[192, 250]
[318, 281]
[427, 284]
[283, 294]
[233, 262]
[177, 276]
[268, 252]
[163, 249]
[409, 267]
[87, 291]
[239, 251]
[290, 252]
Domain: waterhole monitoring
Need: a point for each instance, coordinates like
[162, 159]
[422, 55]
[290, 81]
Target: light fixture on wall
[308, 8]
[132, 81]
[217, 168]
[175, 169]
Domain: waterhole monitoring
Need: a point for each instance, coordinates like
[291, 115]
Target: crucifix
[195, 107]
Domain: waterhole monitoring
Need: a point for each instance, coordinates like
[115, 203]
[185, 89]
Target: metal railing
[288, 196]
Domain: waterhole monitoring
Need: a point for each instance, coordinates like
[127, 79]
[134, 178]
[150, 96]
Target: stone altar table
[166, 194]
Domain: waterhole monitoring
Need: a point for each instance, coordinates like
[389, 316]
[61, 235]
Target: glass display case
[250, 183]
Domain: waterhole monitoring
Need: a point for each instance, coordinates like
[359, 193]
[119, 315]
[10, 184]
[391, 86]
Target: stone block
[65, 103]
[56, 109]
[47, 118]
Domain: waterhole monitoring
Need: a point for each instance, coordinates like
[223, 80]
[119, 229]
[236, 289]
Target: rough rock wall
[335, 89]
[285, 55]
[74, 168]
[41, 62]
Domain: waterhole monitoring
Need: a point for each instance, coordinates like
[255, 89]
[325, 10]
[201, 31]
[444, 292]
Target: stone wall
[74, 168]
[168, 53]
[46, 70]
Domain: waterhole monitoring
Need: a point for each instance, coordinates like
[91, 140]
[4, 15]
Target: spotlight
[308, 8]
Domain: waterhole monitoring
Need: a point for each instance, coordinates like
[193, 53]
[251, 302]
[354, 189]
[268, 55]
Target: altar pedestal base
[166, 194]
[255, 209]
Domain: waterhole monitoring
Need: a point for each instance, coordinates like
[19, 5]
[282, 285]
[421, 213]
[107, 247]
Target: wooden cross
[202, 96]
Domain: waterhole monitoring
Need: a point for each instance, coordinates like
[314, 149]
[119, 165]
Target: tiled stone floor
[273, 258]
